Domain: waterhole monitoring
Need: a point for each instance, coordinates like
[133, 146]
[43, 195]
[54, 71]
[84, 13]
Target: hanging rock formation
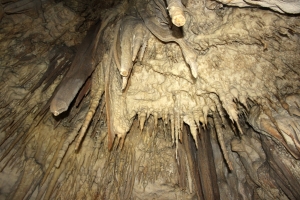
[149, 99]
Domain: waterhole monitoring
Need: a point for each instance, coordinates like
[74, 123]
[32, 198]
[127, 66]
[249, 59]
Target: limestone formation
[150, 99]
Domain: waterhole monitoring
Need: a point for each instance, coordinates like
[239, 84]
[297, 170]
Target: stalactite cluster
[140, 98]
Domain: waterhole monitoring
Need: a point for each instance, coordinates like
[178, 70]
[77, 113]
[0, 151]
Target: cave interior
[150, 99]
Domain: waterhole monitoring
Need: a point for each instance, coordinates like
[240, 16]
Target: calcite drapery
[210, 70]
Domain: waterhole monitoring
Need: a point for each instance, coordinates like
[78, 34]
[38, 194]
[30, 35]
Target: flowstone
[133, 99]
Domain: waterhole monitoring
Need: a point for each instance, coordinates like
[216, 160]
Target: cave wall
[115, 101]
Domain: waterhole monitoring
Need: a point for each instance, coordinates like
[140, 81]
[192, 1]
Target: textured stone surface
[227, 83]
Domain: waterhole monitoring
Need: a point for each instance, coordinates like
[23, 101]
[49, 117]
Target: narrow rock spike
[193, 127]
[176, 12]
[88, 118]
[172, 118]
[54, 159]
[140, 34]
[205, 114]
[142, 119]
[219, 132]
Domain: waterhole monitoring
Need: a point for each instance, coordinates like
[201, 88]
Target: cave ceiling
[153, 99]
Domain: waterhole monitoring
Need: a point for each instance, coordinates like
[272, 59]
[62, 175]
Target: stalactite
[53, 182]
[110, 133]
[193, 128]
[75, 78]
[27, 186]
[165, 35]
[222, 64]
[52, 163]
[57, 159]
[176, 12]
[172, 119]
[219, 132]
[205, 114]
[96, 93]
[142, 119]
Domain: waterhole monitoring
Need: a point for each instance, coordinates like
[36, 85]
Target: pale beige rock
[239, 65]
